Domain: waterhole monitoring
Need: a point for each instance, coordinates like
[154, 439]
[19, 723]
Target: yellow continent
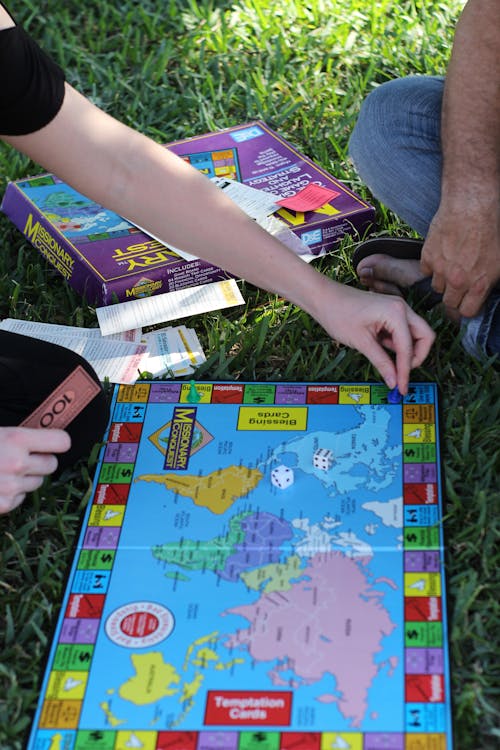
[216, 491]
[153, 680]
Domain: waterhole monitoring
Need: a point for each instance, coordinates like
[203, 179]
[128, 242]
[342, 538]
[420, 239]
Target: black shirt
[32, 85]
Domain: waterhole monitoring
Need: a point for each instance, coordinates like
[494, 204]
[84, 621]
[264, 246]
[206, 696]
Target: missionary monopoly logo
[180, 438]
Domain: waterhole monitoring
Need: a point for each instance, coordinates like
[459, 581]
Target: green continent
[197, 555]
[273, 577]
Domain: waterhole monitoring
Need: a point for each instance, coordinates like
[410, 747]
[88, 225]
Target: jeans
[396, 150]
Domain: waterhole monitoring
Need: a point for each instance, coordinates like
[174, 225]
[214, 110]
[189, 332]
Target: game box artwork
[107, 259]
[260, 566]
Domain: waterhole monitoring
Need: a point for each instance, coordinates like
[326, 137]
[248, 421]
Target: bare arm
[462, 249]
[136, 177]
[139, 179]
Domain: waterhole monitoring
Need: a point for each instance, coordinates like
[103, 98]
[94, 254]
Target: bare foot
[388, 275]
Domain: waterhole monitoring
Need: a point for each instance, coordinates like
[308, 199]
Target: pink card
[309, 198]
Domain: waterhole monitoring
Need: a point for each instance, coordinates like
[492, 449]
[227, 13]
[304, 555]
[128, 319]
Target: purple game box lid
[106, 258]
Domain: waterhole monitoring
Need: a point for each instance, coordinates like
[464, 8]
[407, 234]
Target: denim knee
[391, 112]
[395, 147]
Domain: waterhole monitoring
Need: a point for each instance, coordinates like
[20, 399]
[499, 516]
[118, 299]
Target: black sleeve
[21, 393]
[32, 85]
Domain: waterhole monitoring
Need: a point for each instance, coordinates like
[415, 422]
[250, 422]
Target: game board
[222, 163]
[261, 566]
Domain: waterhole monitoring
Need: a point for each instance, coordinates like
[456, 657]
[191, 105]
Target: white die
[282, 477]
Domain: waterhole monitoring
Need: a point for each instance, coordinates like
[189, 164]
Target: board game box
[260, 566]
[107, 259]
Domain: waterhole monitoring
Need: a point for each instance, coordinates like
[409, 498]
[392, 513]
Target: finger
[380, 359]
[29, 465]
[470, 307]
[438, 282]
[40, 464]
[421, 346]
[423, 338]
[396, 326]
[403, 348]
[385, 366]
[473, 301]
[9, 503]
[15, 489]
[23, 470]
[427, 261]
[394, 331]
[46, 441]
[425, 265]
[452, 296]
[31, 482]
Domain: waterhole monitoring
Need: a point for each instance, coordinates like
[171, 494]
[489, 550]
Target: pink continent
[329, 622]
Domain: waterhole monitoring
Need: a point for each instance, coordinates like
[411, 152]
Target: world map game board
[260, 566]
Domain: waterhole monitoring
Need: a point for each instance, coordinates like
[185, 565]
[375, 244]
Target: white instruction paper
[114, 358]
[170, 306]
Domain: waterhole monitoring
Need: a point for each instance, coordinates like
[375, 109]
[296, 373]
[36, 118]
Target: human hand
[462, 254]
[373, 323]
[26, 458]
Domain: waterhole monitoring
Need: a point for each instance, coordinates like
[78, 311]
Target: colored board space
[261, 566]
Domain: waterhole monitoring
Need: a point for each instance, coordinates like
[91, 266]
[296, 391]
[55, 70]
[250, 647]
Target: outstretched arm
[462, 249]
[136, 177]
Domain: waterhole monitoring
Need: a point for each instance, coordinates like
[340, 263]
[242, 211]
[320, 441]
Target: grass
[174, 69]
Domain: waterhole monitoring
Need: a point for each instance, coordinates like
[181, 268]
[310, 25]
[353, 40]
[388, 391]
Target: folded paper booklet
[107, 259]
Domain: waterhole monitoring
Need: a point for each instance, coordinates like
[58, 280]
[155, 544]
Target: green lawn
[178, 68]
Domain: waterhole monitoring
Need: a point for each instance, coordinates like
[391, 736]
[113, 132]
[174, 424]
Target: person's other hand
[462, 254]
[374, 323]
[27, 456]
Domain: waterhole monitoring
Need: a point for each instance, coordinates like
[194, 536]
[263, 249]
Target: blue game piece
[394, 396]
